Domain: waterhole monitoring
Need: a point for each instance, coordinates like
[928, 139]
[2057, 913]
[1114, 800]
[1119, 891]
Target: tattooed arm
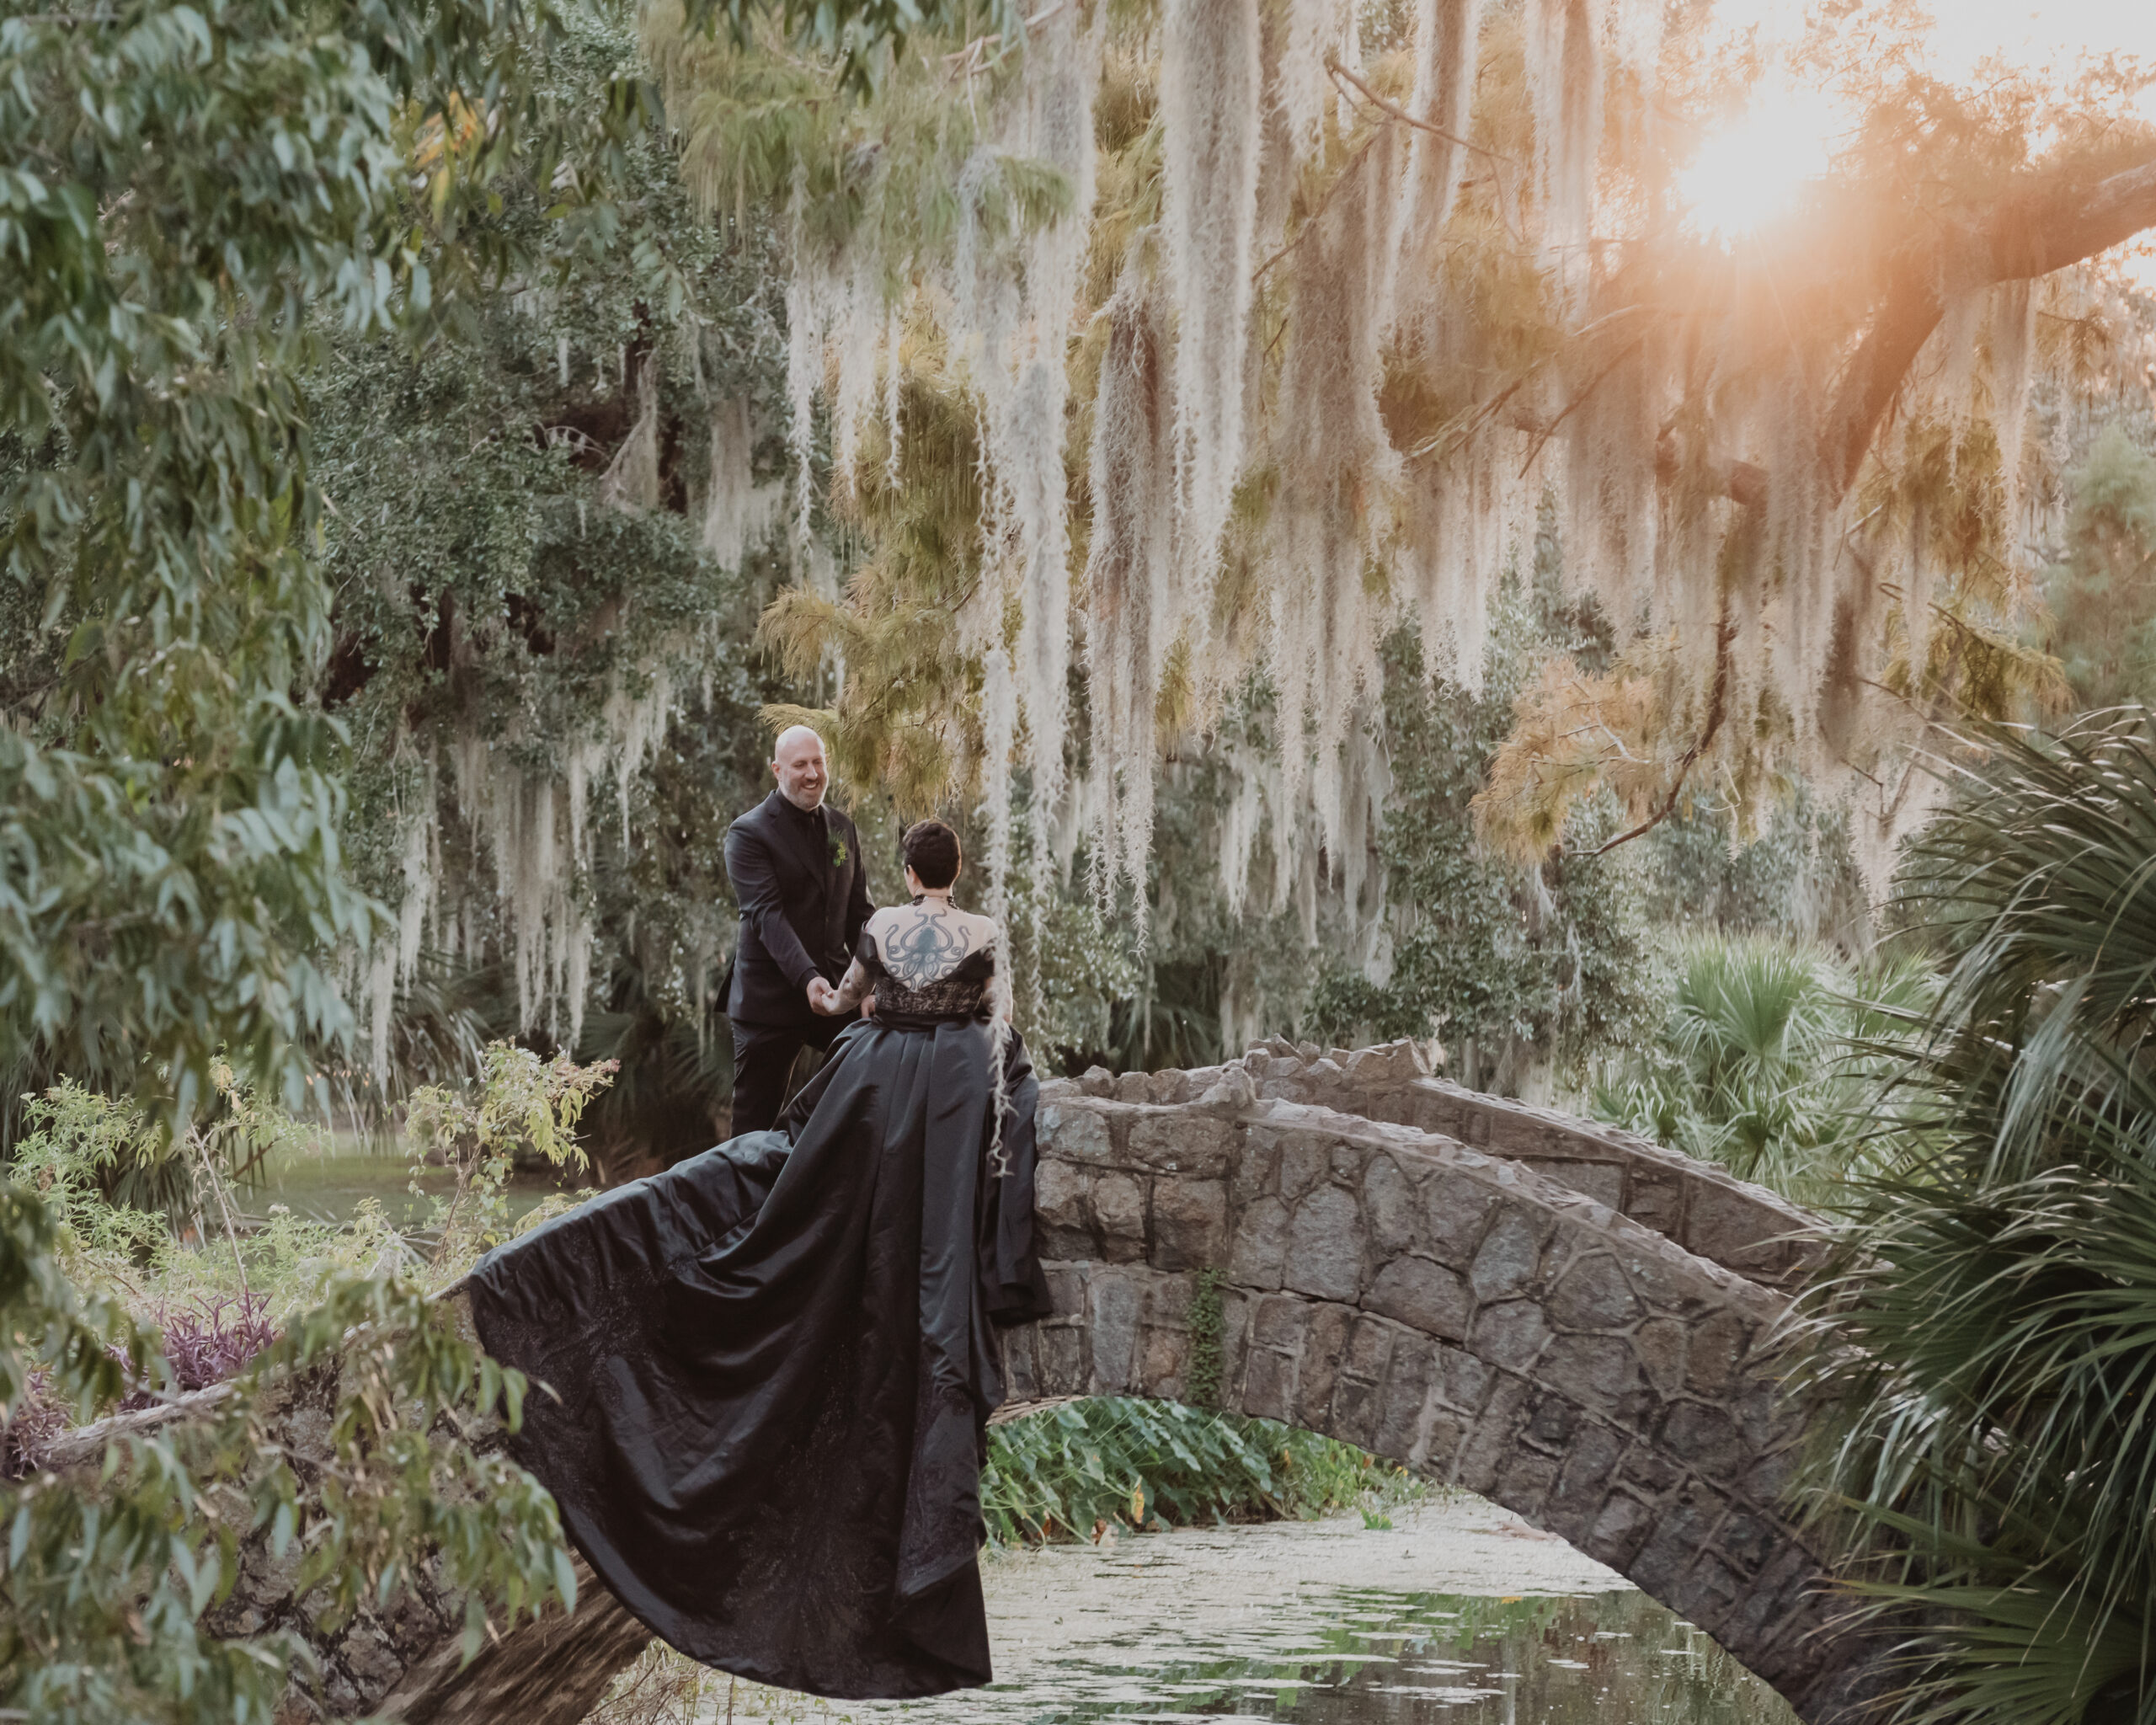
[847, 995]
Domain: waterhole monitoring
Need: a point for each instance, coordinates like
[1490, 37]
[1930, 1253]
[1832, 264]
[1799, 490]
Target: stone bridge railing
[1570, 1321]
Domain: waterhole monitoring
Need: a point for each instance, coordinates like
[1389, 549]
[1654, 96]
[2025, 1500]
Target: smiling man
[796, 866]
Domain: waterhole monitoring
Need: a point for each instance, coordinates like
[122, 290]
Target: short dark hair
[931, 851]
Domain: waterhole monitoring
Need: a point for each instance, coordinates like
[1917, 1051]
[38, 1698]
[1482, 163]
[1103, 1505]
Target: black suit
[803, 894]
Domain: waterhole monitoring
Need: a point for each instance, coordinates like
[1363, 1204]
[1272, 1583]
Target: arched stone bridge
[1560, 1318]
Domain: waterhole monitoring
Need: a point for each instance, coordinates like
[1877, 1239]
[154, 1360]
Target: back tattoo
[924, 948]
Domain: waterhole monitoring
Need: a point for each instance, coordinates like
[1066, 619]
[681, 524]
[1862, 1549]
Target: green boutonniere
[838, 852]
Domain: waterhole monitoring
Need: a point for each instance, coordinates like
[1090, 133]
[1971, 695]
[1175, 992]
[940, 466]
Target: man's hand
[823, 998]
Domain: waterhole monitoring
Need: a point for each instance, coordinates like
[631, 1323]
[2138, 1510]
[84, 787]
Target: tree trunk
[551, 1671]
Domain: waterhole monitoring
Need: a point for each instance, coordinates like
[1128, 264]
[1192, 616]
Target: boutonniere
[838, 852]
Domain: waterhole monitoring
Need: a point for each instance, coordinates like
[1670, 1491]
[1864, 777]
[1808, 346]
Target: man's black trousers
[763, 1056]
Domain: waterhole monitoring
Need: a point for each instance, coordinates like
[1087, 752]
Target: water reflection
[1129, 1643]
[1364, 1656]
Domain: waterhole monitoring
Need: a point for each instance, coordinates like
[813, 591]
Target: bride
[768, 1371]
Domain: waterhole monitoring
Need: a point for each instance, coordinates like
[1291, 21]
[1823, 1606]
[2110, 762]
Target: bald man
[797, 875]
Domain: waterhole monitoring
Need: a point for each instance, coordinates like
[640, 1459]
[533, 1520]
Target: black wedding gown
[775, 1362]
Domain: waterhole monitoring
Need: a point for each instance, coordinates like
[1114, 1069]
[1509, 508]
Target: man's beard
[794, 798]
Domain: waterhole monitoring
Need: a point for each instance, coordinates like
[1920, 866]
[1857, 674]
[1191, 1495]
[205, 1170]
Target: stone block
[1190, 1224]
[1112, 1310]
[1350, 1160]
[1599, 1370]
[1194, 1146]
[1668, 1281]
[1648, 1472]
[1523, 1483]
[1764, 1415]
[1618, 1530]
[1231, 1094]
[1437, 1447]
[1280, 1322]
[1235, 1313]
[1778, 1592]
[1392, 1205]
[1711, 1593]
[1726, 1221]
[1684, 1527]
[1592, 1295]
[1661, 1346]
[1425, 1296]
[1021, 1382]
[1554, 1418]
[1097, 1082]
[1768, 1479]
[1357, 1402]
[1306, 1160]
[1059, 1361]
[1369, 1349]
[1493, 1436]
[1582, 1482]
[1440, 1109]
[1654, 1197]
[1323, 1348]
[1073, 1132]
[1463, 1380]
[1186, 1085]
[1749, 1540]
[1134, 1086]
[1714, 1354]
[1324, 1246]
[1259, 1256]
[1509, 1334]
[1455, 1208]
[1402, 1401]
[1268, 1384]
[1166, 1354]
[1119, 1216]
[1066, 1289]
[1400, 1062]
[1060, 1213]
[1706, 1437]
[1603, 1181]
[1252, 1167]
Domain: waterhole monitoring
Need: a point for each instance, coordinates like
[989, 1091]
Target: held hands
[823, 998]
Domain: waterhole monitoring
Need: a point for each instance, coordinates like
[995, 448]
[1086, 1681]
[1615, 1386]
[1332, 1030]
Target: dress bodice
[925, 969]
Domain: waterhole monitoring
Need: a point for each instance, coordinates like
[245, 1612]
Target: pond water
[329, 1186]
[1458, 1613]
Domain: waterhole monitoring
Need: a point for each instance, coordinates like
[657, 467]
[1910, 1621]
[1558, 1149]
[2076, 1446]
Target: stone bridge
[1563, 1318]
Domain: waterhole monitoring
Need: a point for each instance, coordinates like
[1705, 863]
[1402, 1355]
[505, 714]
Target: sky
[1742, 173]
[1965, 32]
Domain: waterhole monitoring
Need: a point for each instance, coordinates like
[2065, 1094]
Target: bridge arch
[1568, 1320]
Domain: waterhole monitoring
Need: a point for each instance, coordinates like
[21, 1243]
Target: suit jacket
[802, 908]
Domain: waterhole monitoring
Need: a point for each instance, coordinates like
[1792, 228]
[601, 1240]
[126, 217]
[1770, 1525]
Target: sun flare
[1753, 171]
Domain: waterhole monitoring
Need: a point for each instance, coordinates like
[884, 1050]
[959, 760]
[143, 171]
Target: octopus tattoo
[924, 949]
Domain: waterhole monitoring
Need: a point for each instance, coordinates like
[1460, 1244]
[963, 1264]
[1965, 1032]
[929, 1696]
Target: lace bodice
[932, 966]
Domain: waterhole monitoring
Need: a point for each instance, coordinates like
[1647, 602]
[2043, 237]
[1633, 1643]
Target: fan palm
[1987, 1344]
[1758, 1062]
